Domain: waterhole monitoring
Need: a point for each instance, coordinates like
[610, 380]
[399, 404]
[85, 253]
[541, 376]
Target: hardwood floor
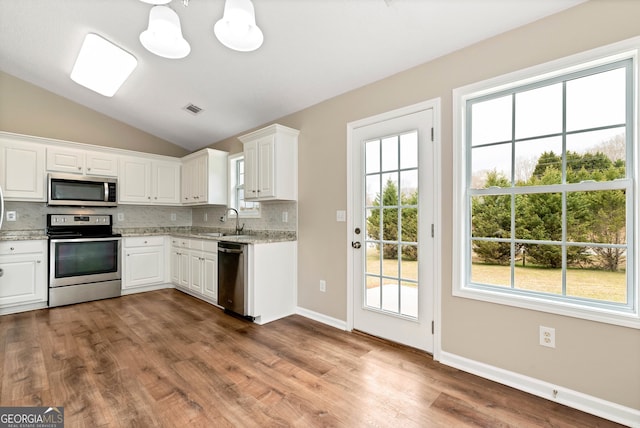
[165, 359]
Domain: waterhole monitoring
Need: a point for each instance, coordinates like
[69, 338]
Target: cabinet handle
[12, 249]
[88, 169]
[79, 168]
[39, 261]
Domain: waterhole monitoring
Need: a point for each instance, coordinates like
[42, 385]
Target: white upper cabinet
[74, 161]
[148, 181]
[22, 174]
[271, 164]
[204, 178]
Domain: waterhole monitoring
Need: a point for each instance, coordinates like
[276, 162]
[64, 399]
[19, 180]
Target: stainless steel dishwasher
[233, 277]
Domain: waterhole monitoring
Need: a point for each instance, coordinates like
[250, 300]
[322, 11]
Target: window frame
[233, 199]
[628, 316]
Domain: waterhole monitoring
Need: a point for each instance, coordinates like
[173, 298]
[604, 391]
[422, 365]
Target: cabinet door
[200, 180]
[210, 275]
[196, 271]
[165, 179]
[23, 279]
[251, 170]
[188, 181]
[175, 265]
[61, 159]
[22, 171]
[266, 161]
[185, 271]
[103, 164]
[143, 266]
[134, 180]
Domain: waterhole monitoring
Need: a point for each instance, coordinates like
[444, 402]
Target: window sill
[630, 320]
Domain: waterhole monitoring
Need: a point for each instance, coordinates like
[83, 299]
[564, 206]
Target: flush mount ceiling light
[102, 66]
[237, 29]
[163, 37]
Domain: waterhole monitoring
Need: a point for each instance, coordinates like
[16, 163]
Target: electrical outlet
[323, 285]
[547, 337]
[173, 216]
[341, 215]
[285, 216]
[12, 216]
[120, 216]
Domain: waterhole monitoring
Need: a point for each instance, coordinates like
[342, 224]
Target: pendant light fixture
[164, 37]
[237, 29]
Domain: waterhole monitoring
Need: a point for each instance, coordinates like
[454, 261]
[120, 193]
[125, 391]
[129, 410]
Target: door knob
[356, 244]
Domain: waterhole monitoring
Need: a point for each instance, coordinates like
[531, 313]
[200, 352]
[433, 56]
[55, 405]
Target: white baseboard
[23, 308]
[333, 322]
[145, 288]
[577, 400]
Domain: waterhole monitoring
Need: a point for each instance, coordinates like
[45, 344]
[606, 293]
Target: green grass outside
[586, 283]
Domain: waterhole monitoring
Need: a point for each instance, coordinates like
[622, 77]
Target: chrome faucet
[239, 228]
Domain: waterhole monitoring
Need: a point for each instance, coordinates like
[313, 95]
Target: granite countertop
[22, 235]
[248, 237]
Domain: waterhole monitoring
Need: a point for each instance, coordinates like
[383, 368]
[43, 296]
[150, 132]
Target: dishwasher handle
[230, 250]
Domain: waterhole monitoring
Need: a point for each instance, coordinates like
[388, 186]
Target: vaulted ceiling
[313, 50]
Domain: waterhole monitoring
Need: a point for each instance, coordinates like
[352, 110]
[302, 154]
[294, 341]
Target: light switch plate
[341, 215]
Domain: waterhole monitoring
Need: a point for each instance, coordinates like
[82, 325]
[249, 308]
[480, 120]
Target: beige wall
[597, 359]
[30, 110]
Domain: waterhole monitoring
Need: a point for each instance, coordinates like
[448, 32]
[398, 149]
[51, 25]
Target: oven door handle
[56, 240]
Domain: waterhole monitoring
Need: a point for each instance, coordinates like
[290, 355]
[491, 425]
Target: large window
[236, 189]
[548, 195]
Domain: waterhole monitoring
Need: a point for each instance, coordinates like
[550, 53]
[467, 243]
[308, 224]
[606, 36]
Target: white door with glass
[393, 212]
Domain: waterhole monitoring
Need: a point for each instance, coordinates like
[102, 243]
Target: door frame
[437, 187]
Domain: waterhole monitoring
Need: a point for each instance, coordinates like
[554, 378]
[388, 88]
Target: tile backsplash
[271, 216]
[33, 216]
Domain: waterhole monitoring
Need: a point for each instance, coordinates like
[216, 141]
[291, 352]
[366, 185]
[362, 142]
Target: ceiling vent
[193, 109]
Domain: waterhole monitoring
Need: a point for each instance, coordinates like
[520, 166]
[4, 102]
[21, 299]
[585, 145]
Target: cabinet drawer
[180, 242]
[144, 241]
[196, 244]
[21, 247]
[210, 246]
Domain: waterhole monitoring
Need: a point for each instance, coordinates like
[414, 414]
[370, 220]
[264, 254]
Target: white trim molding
[324, 319]
[568, 397]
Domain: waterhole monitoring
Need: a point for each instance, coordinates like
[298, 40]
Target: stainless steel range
[84, 258]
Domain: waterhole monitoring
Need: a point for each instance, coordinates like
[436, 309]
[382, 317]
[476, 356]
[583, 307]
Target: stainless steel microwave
[82, 191]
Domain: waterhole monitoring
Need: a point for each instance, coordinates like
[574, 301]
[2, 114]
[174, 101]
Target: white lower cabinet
[144, 263]
[194, 267]
[272, 280]
[23, 275]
